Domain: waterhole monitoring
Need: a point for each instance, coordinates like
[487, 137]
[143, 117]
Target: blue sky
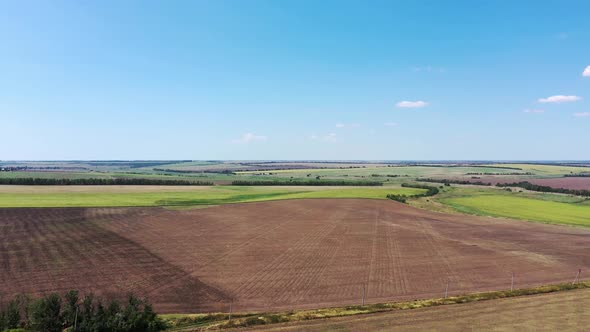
[294, 80]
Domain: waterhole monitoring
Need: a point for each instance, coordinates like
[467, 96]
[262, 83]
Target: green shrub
[46, 314]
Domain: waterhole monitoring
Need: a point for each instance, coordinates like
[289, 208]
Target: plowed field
[278, 255]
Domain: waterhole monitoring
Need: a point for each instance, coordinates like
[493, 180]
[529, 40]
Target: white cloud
[534, 111]
[559, 99]
[331, 137]
[347, 125]
[586, 72]
[249, 138]
[582, 114]
[390, 124]
[411, 104]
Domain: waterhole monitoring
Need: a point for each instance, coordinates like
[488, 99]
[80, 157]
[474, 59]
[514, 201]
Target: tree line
[193, 171]
[40, 168]
[101, 182]
[449, 181]
[489, 173]
[579, 175]
[306, 183]
[54, 313]
[467, 165]
[546, 189]
[430, 191]
[133, 163]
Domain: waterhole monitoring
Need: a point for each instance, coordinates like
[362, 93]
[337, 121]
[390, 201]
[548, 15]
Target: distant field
[376, 172]
[522, 208]
[578, 183]
[56, 175]
[89, 196]
[546, 169]
[203, 171]
[137, 173]
[86, 175]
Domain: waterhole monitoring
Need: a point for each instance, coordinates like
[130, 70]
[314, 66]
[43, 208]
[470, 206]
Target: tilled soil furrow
[286, 254]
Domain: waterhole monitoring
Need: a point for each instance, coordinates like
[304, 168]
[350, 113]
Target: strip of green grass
[201, 322]
[200, 196]
[512, 206]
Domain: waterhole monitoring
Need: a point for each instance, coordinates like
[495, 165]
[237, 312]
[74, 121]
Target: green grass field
[488, 201]
[76, 196]
[514, 206]
[547, 170]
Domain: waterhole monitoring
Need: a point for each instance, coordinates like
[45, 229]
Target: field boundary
[191, 206]
[481, 212]
[199, 322]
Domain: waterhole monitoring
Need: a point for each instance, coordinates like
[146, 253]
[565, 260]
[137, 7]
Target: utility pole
[76, 319]
[231, 304]
[577, 277]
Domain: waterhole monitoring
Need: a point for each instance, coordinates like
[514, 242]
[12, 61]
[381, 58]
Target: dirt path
[564, 311]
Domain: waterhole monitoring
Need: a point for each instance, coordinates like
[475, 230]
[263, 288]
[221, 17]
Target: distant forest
[100, 182]
[546, 189]
[306, 183]
[448, 181]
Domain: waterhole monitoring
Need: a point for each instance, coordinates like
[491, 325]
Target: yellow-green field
[513, 206]
[93, 196]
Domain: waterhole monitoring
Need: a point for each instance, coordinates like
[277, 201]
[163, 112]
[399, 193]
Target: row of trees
[316, 182]
[101, 182]
[430, 191]
[52, 313]
[461, 165]
[490, 173]
[193, 171]
[40, 168]
[523, 184]
[546, 189]
[578, 175]
[449, 181]
[132, 163]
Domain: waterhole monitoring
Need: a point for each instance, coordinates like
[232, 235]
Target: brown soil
[278, 255]
[577, 183]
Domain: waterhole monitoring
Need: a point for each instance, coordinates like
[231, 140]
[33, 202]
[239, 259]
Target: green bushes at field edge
[430, 191]
[53, 313]
[545, 189]
[306, 183]
[100, 182]
[221, 321]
